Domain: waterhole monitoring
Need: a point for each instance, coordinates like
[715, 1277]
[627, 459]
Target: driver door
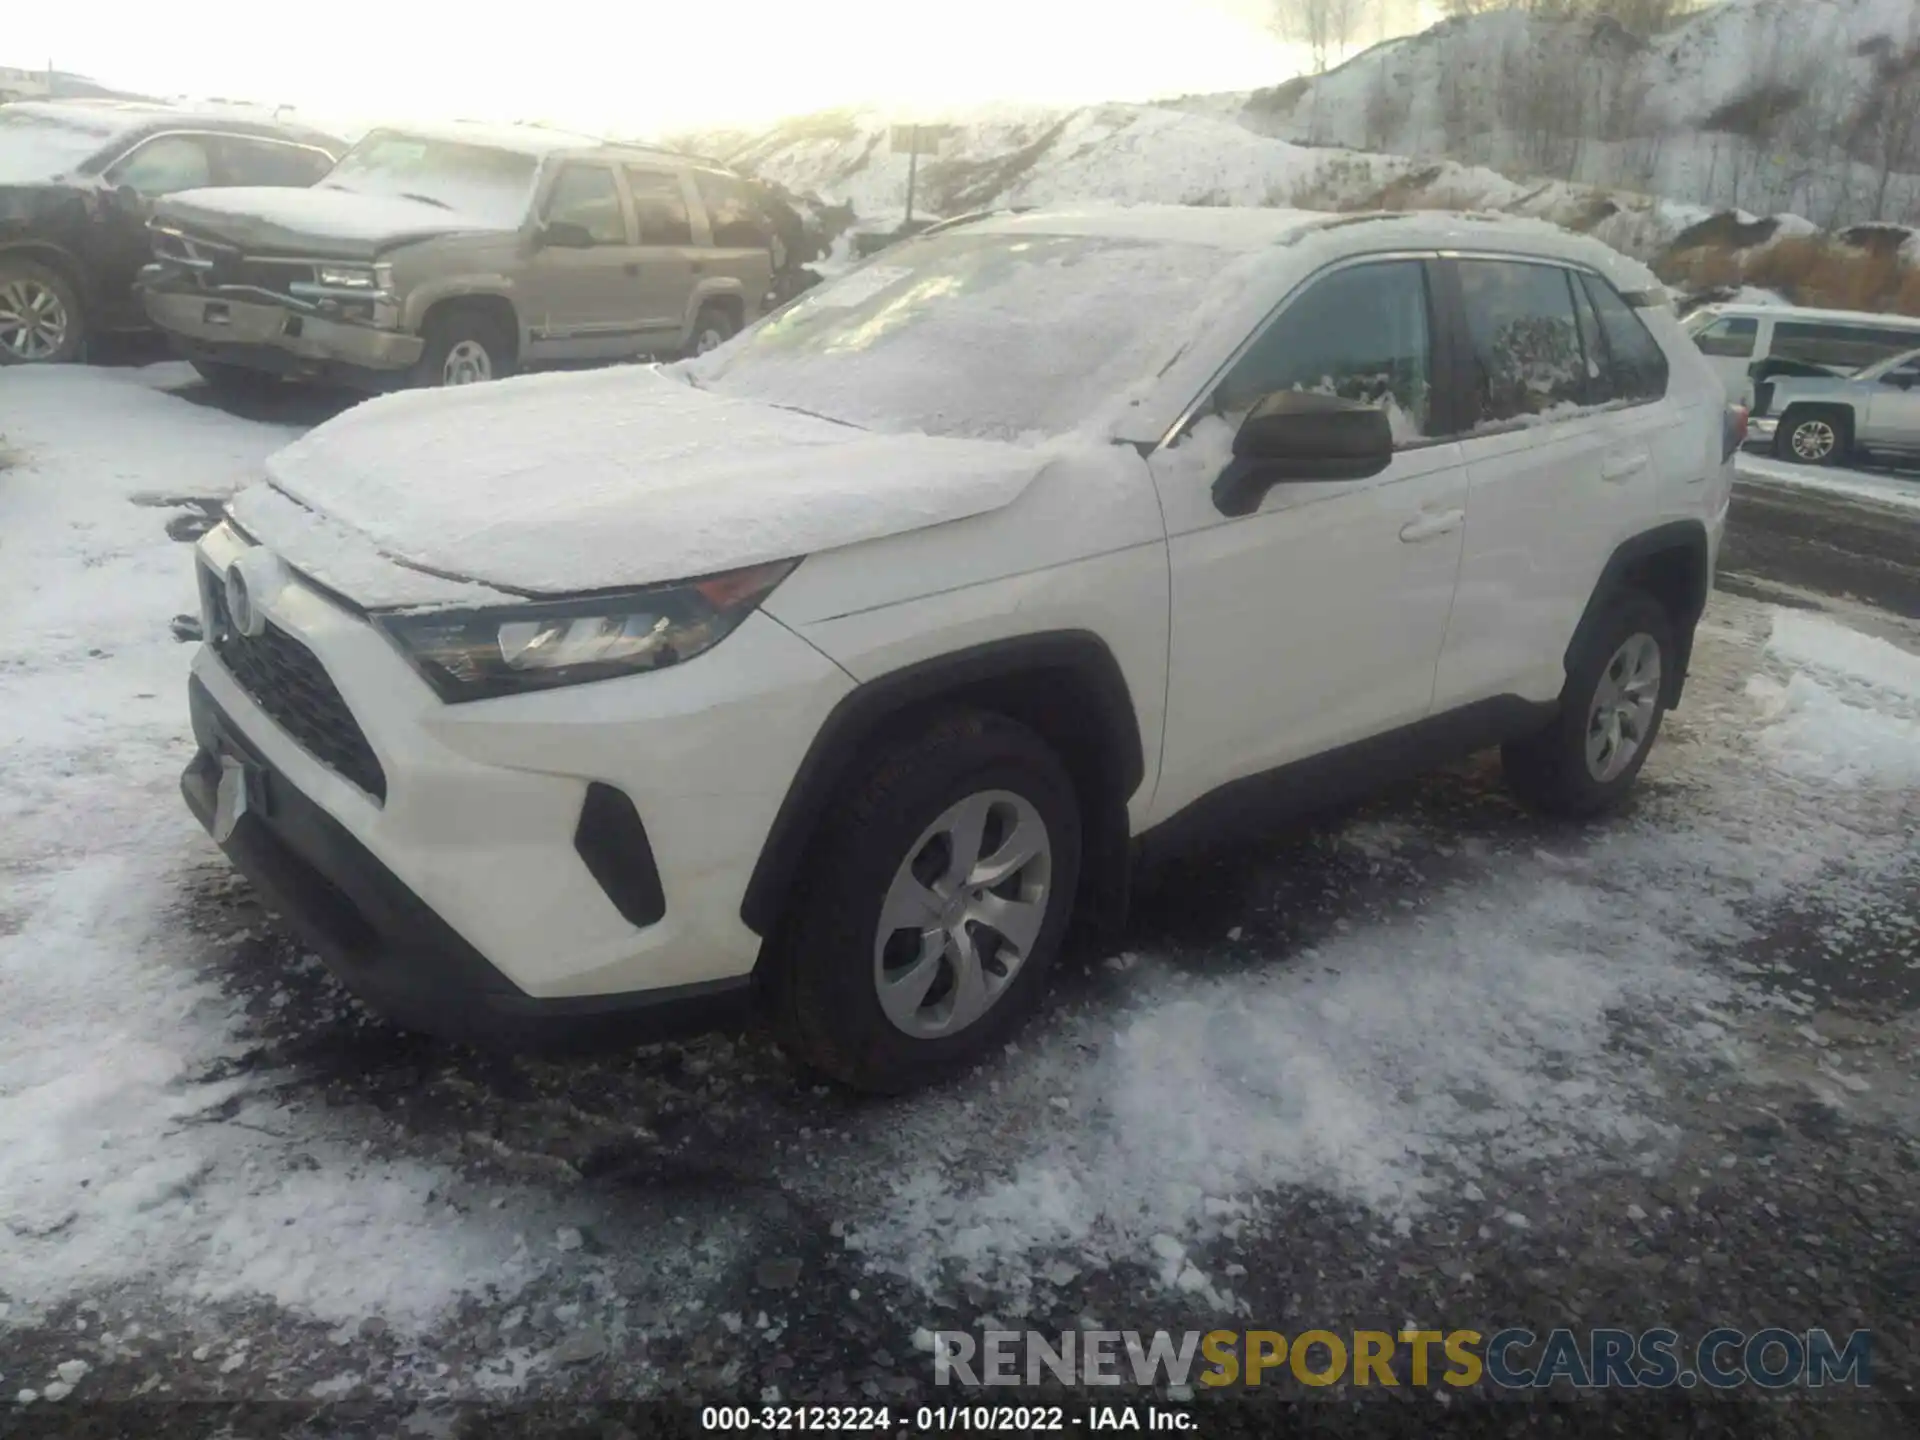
[1317, 620]
[582, 288]
[1893, 409]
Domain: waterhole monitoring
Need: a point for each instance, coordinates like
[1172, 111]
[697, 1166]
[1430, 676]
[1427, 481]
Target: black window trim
[1443, 388]
[1462, 359]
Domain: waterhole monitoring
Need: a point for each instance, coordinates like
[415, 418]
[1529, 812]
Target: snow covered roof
[534, 140]
[1223, 227]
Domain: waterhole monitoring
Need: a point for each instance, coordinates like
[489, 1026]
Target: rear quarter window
[1636, 365]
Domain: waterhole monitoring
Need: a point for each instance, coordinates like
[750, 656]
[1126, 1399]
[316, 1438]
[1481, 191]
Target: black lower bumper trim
[388, 945]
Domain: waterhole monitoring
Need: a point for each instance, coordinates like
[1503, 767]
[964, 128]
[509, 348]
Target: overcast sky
[652, 66]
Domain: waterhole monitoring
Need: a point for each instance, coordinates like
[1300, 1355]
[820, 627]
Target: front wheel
[1812, 438]
[938, 896]
[41, 318]
[712, 328]
[1586, 761]
[464, 346]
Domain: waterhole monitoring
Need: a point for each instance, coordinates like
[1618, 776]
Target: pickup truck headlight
[348, 277]
[509, 649]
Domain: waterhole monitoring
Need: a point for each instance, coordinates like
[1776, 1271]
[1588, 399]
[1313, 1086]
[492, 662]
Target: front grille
[287, 680]
[217, 263]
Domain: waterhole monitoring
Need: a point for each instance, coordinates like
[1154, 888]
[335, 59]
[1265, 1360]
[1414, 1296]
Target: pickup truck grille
[287, 680]
[214, 264]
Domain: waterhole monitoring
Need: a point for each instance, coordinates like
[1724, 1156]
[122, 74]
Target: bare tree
[1388, 104]
[1887, 129]
[1325, 27]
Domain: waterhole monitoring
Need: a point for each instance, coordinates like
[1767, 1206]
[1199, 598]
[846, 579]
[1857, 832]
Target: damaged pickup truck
[458, 254]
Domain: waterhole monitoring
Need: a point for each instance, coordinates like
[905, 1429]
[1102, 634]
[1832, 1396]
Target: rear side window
[660, 205]
[1526, 357]
[1731, 337]
[1838, 347]
[1360, 333]
[1636, 365]
[732, 216]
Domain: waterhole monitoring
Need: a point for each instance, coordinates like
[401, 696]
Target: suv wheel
[936, 901]
[1812, 437]
[41, 319]
[1610, 711]
[463, 347]
[712, 328]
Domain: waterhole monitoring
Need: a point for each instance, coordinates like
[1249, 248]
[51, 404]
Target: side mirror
[565, 235]
[1302, 435]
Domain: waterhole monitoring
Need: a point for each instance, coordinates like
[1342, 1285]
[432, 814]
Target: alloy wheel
[1813, 440]
[963, 913]
[467, 363]
[33, 320]
[1624, 703]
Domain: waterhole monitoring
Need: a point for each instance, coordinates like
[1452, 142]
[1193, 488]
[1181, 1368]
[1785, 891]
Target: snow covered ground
[1875, 487]
[1436, 1039]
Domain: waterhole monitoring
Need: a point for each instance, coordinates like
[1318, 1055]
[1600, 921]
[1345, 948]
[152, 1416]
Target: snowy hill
[1795, 105]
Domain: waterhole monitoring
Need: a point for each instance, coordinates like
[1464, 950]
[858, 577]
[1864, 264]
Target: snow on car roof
[523, 139]
[1249, 228]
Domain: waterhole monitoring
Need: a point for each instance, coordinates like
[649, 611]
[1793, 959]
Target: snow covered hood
[553, 484]
[322, 221]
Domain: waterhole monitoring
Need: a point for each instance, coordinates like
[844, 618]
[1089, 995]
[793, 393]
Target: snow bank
[131, 1154]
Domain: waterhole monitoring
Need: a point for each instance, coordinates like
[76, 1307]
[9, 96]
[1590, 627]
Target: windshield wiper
[424, 199]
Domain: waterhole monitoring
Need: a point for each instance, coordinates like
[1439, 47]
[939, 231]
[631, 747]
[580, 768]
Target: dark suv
[77, 183]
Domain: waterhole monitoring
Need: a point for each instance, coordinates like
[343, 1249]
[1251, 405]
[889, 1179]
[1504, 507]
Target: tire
[1813, 437]
[464, 345]
[1570, 768]
[712, 327]
[42, 319]
[237, 380]
[894, 828]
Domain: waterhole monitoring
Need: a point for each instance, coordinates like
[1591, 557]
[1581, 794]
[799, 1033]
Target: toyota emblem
[244, 615]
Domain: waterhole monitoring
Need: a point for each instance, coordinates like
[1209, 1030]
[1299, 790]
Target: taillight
[1733, 433]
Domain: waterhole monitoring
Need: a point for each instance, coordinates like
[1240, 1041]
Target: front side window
[1361, 333]
[586, 196]
[247, 161]
[1636, 365]
[660, 205]
[165, 165]
[1731, 337]
[1526, 358]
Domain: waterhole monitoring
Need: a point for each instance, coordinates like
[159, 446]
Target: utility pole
[913, 170]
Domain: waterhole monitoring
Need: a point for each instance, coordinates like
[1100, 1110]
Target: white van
[1735, 338]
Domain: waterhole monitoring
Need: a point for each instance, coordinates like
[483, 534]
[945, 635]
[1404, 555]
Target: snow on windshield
[983, 336]
[37, 146]
[474, 180]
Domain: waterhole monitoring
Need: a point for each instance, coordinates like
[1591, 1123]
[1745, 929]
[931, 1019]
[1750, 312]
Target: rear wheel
[1812, 437]
[938, 896]
[464, 346]
[1586, 761]
[42, 321]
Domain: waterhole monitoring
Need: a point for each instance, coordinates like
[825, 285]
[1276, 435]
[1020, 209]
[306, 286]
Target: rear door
[739, 238]
[1553, 484]
[582, 290]
[668, 258]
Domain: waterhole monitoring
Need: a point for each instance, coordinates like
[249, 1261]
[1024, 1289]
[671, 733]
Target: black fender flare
[1688, 537]
[1078, 657]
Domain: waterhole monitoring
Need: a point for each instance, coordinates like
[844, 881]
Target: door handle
[1620, 467]
[1426, 527]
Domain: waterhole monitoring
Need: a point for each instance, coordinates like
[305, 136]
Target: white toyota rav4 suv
[848, 665]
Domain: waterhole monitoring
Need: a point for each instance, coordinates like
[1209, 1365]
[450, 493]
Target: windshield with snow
[476, 180]
[983, 336]
[35, 145]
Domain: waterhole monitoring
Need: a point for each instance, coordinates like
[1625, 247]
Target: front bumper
[265, 336]
[454, 882]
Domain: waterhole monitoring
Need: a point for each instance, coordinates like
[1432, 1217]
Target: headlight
[347, 277]
[508, 649]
